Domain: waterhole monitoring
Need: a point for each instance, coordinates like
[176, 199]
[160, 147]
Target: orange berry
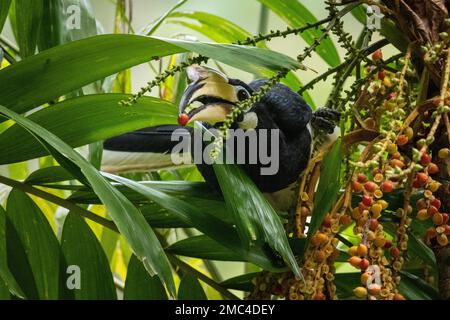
[319, 296]
[398, 296]
[387, 186]
[374, 289]
[355, 261]
[353, 251]
[365, 277]
[422, 214]
[438, 219]
[422, 178]
[433, 168]
[319, 239]
[442, 240]
[362, 250]
[397, 163]
[402, 140]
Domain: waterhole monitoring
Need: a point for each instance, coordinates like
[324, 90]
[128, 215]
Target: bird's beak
[208, 98]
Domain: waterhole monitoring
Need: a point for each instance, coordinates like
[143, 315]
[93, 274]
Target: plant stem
[59, 201]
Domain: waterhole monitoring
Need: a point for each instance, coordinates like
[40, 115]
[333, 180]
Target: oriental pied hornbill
[209, 98]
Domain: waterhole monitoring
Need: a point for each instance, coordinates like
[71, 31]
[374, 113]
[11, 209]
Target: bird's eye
[242, 94]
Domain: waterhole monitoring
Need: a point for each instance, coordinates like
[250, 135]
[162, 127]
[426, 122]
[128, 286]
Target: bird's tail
[149, 149]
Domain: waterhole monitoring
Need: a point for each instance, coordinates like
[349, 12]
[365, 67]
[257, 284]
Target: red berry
[416, 184]
[388, 244]
[395, 252]
[445, 218]
[357, 187]
[447, 230]
[370, 186]
[364, 264]
[387, 186]
[377, 55]
[326, 222]
[426, 159]
[433, 168]
[436, 202]
[373, 225]
[361, 178]
[381, 75]
[367, 200]
[392, 95]
[432, 210]
[183, 119]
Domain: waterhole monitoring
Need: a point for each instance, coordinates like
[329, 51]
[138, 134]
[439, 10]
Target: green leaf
[127, 218]
[4, 9]
[151, 28]
[191, 289]
[33, 250]
[415, 288]
[140, 286]
[39, 79]
[242, 282]
[296, 15]
[179, 189]
[328, 188]
[221, 30]
[49, 175]
[213, 227]
[26, 23]
[251, 59]
[7, 281]
[203, 247]
[52, 25]
[214, 27]
[82, 250]
[256, 221]
[360, 14]
[80, 121]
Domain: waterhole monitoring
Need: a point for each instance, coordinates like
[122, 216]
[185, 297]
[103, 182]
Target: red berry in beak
[183, 119]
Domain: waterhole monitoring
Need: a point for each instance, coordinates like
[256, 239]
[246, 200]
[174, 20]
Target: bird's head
[210, 96]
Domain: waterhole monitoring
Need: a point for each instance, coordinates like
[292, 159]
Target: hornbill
[209, 98]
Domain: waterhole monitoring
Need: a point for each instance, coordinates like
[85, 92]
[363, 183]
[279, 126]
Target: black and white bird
[209, 98]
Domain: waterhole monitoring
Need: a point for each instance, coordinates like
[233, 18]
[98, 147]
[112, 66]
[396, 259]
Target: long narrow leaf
[128, 219]
[33, 250]
[4, 9]
[328, 188]
[140, 286]
[80, 121]
[39, 79]
[255, 219]
[296, 15]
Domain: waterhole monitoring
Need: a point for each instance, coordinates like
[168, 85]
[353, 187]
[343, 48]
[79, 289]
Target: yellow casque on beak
[209, 97]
